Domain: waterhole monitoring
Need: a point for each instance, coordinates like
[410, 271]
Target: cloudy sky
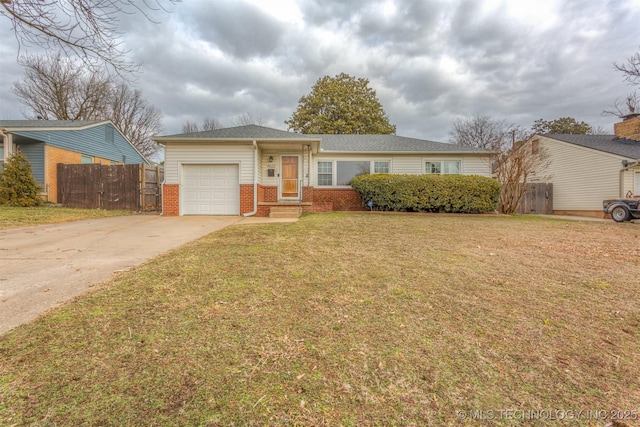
[430, 61]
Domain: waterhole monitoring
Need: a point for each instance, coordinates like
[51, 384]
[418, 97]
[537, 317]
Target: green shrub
[18, 187]
[428, 193]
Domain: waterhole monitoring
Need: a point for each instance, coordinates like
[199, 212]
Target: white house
[254, 170]
[587, 169]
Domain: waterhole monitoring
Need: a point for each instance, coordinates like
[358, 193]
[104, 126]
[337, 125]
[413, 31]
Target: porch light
[270, 159]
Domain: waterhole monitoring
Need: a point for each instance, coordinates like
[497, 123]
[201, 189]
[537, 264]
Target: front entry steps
[285, 212]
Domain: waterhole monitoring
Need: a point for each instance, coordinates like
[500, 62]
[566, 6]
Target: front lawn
[12, 217]
[348, 319]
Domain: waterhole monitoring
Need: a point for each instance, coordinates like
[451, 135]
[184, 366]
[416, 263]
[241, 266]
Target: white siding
[476, 165]
[407, 165]
[582, 178]
[177, 154]
[411, 164]
[264, 166]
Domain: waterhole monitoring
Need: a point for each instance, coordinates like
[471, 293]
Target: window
[449, 167]
[325, 173]
[86, 159]
[346, 170]
[433, 167]
[380, 167]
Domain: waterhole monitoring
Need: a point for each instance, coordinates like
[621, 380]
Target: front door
[289, 177]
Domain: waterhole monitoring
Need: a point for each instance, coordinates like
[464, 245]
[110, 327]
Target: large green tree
[566, 125]
[341, 104]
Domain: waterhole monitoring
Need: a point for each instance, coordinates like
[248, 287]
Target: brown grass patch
[347, 319]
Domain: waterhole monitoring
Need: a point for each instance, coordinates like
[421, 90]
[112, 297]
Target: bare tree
[59, 88]
[620, 108]
[631, 69]
[248, 119]
[515, 161]
[515, 167]
[481, 131]
[84, 28]
[135, 117]
[211, 124]
[207, 124]
[62, 89]
[190, 127]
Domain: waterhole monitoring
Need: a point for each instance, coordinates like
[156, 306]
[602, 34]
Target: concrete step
[285, 212]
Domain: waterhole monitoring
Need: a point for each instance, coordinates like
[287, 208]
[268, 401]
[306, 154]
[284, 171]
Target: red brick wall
[171, 199]
[324, 200]
[629, 128]
[267, 193]
[246, 198]
[336, 199]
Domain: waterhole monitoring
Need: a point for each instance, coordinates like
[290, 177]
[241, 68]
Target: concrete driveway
[43, 266]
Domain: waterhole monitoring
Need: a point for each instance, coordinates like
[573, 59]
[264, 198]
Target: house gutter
[255, 181]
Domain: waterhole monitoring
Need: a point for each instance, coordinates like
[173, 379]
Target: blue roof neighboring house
[77, 141]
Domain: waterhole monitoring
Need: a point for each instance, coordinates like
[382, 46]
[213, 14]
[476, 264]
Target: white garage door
[211, 190]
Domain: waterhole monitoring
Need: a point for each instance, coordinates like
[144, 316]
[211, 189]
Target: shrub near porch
[428, 193]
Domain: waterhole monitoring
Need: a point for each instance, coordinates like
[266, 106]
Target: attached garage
[210, 190]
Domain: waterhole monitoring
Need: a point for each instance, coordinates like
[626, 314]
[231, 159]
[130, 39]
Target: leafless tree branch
[78, 28]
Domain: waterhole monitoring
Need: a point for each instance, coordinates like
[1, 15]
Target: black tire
[620, 214]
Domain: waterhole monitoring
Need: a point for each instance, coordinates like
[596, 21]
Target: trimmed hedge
[428, 193]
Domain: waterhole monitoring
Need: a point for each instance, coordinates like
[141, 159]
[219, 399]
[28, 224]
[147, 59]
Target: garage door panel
[211, 190]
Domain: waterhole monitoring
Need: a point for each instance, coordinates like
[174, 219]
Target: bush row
[428, 193]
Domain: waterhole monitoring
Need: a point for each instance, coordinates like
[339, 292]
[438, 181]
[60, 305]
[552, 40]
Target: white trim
[334, 168]
[441, 160]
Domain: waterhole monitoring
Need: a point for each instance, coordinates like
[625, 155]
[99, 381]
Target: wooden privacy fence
[538, 199]
[125, 187]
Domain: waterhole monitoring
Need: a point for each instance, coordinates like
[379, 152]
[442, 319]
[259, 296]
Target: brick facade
[314, 200]
[53, 156]
[171, 199]
[336, 199]
[629, 128]
[246, 198]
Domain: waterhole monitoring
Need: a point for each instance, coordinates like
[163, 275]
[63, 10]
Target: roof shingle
[606, 143]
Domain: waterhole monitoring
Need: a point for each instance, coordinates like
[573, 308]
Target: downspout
[255, 181]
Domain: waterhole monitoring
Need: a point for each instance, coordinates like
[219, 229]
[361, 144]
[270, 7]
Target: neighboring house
[587, 169]
[252, 169]
[46, 143]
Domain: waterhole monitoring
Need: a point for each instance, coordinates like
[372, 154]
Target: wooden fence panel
[150, 194]
[120, 187]
[537, 199]
[94, 186]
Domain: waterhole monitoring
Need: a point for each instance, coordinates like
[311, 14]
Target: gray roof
[240, 132]
[388, 143]
[35, 124]
[344, 143]
[606, 143]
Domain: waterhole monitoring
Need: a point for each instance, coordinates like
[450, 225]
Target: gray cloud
[430, 61]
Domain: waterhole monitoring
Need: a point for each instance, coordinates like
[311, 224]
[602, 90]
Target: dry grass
[12, 217]
[347, 319]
